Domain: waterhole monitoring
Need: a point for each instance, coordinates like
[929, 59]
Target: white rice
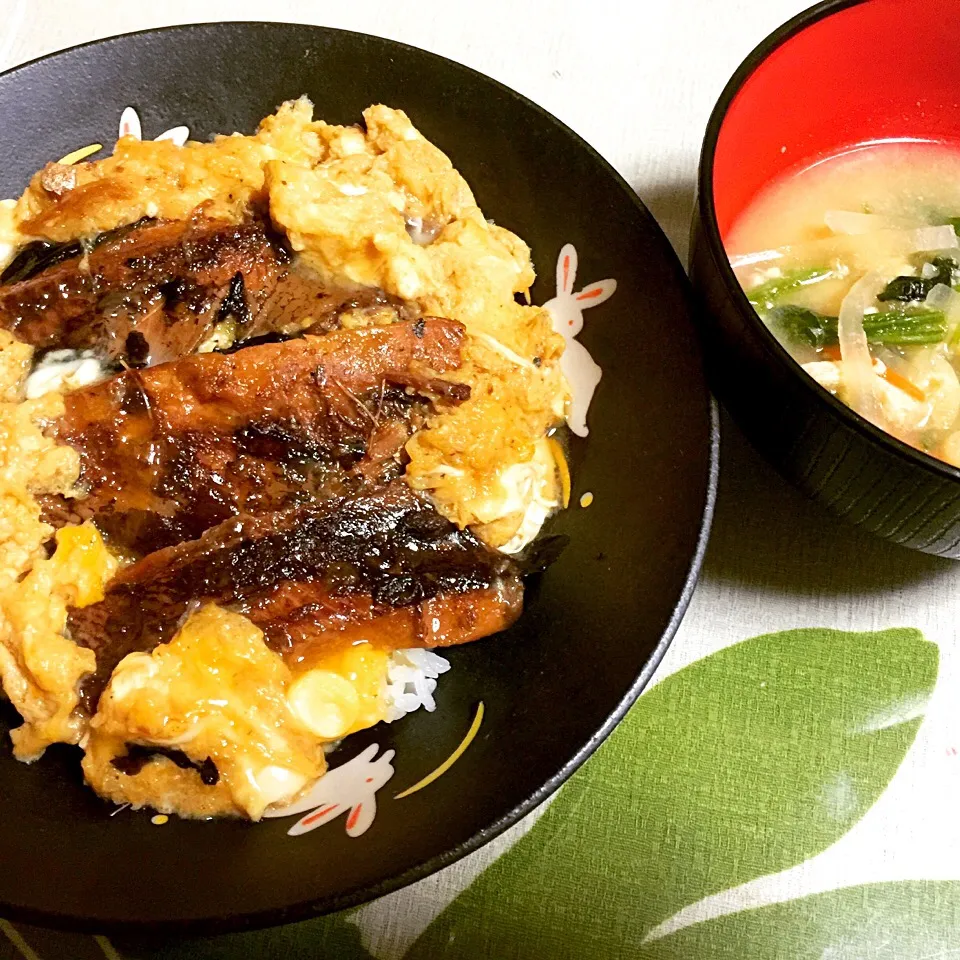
[411, 680]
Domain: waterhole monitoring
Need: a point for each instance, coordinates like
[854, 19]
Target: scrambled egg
[216, 692]
[9, 231]
[157, 178]
[904, 415]
[39, 668]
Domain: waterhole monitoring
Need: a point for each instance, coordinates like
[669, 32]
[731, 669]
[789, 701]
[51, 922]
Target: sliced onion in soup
[860, 251]
[946, 299]
[858, 374]
[942, 297]
[928, 239]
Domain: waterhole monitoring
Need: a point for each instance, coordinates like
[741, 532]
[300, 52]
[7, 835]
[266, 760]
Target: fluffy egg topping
[217, 694]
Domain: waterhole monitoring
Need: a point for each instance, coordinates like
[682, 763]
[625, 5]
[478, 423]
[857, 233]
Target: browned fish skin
[169, 451]
[307, 620]
[159, 285]
[375, 553]
[302, 301]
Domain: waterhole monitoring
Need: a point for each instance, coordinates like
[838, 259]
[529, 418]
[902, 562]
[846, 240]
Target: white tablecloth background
[638, 82]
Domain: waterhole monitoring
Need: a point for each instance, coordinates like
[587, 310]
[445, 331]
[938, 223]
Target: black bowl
[801, 95]
[596, 624]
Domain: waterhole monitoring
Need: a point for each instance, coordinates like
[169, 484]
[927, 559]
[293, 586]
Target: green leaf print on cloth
[744, 763]
[917, 920]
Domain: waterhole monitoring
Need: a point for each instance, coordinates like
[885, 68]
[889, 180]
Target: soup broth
[854, 265]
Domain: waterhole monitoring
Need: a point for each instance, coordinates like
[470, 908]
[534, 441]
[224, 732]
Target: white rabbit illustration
[130, 127]
[350, 787]
[566, 308]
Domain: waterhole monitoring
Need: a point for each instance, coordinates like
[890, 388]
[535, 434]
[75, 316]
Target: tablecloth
[786, 788]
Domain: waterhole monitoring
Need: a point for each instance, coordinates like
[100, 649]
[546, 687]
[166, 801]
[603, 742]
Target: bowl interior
[873, 70]
[596, 623]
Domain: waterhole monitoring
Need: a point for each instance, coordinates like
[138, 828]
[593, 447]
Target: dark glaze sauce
[153, 290]
[167, 281]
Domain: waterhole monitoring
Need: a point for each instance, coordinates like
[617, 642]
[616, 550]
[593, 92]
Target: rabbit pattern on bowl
[581, 370]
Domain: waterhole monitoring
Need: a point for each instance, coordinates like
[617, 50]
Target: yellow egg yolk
[342, 693]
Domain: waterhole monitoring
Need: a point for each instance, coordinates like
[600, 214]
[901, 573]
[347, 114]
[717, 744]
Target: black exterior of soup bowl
[595, 624]
[836, 457]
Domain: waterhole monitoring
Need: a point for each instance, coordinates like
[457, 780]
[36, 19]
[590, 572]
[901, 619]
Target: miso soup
[854, 265]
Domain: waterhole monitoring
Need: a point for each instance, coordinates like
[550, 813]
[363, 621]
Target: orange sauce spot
[563, 469]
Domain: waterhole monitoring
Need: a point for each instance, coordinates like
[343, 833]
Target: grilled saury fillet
[386, 562]
[146, 293]
[172, 450]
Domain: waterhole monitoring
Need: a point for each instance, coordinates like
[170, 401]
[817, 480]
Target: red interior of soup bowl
[874, 70]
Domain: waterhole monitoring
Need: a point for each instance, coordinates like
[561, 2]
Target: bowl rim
[308, 909]
[706, 211]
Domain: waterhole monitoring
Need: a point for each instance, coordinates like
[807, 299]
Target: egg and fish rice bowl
[273, 425]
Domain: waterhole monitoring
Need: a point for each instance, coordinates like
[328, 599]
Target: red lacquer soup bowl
[842, 74]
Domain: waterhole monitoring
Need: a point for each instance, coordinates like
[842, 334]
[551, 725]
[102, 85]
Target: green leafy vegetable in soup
[942, 270]
[854, 266]
[766, 294]
[907, 325]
